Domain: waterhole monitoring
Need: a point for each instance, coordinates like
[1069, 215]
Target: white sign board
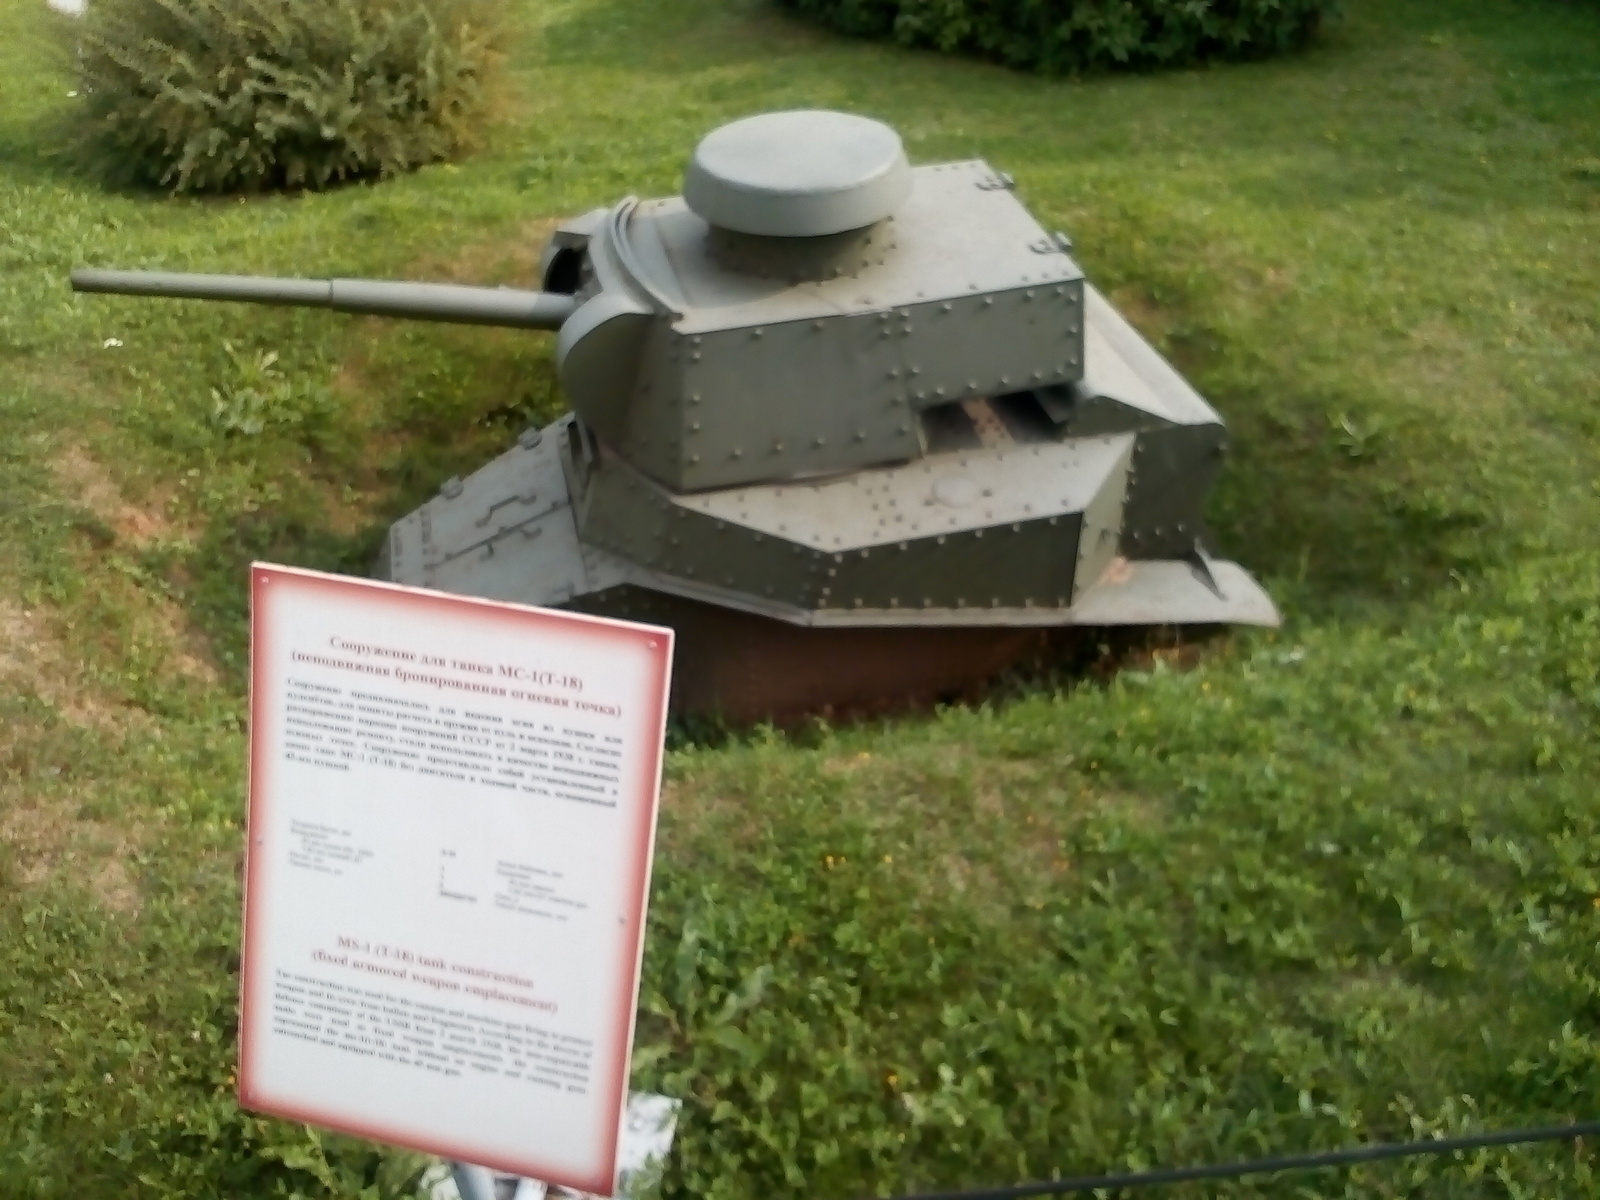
[452, 812]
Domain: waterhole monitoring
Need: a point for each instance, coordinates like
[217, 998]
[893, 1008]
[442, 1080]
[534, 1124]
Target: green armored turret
[860, 431]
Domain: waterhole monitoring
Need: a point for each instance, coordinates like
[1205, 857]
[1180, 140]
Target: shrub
[1061, 36]
[241, 95]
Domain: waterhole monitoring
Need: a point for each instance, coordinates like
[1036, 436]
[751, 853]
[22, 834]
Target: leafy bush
[258, 397]
[1059, 36]
[239, 95]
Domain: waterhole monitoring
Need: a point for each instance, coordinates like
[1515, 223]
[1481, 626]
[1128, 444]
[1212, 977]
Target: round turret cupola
[806, 194]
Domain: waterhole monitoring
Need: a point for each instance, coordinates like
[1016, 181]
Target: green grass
[1297, 891]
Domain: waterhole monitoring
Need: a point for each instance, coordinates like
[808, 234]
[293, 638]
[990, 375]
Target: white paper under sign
[452, 812]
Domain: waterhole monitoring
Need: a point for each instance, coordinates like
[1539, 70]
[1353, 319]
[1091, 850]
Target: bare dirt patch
[45, 834]
[32, 656]
[185, 655]
[19, 632]
[36, 657]
[44, 838]
[87, 482]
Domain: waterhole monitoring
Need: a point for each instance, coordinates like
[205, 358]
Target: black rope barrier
[1271, 1166]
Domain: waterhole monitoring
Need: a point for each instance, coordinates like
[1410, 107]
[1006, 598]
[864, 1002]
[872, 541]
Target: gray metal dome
[798, 174]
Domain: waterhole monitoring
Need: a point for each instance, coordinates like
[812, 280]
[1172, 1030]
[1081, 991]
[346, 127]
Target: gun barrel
[377, 297]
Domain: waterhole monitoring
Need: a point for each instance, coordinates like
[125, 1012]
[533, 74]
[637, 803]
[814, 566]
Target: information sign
[452, 811]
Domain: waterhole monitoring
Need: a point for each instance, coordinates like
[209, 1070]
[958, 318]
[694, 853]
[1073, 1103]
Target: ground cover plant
[240, 95]
[1272, 893]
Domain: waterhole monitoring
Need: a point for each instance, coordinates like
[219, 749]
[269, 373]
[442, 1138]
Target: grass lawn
[1283, 892]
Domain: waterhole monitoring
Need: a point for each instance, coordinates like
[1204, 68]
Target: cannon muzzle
[377, 297]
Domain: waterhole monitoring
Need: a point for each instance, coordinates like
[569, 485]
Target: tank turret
[859, 430]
